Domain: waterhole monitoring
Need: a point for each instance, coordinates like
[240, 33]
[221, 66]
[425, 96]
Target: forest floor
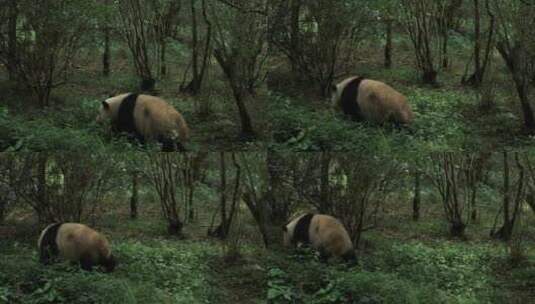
[69, 124]
[288, 114]
[449, 117]
[399, 262]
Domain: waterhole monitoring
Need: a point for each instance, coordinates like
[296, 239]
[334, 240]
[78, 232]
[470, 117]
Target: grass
[399, 262]
[288, 115]
[447, 118]
[160, 271]
[69, 124]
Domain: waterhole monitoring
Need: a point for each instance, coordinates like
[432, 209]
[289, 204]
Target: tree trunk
[295, 10]
[445, 59]
[473, 215]
[228, 64]
[529, 120]
[107, 52]
[511, 57]
[134, 198]
[174, 227]
[247, 131]
[530, 200]
[41, 188]
[147, 84]
[430, 77]
[194, 46]
[457, 229]
[416, 199]
[325, 203]
[3, 204]
[163, 63]
[388, 45]
[477, 77]
[12, 39]
[223, 230]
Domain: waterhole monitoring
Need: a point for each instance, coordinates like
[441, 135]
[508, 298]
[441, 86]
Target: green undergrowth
[151, 272]
[445, 120]
[408, 272]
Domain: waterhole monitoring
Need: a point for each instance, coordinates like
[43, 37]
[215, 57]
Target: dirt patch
[239, 281]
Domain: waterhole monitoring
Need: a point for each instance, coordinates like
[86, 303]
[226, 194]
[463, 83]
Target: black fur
[348, 99]
[125, 117]
[109, 263]
[86, 263]
[350, 256]
[301, 229]
[49, 247]
[169, 145]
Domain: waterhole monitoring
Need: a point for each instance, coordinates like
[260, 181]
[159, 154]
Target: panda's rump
[380, 102]
[155, 118]
[330, 236]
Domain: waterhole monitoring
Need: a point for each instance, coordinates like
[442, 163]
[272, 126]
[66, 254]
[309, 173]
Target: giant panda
[323, 233]
[371, 100]
[76, 243]
[146, 118]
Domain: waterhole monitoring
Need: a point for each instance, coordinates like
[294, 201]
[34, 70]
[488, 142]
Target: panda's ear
[105, 105]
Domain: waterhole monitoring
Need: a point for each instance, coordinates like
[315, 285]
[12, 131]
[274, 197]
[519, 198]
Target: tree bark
[223, 230]
[527, 111]
[194, 48]
[325, 203]
[247, 131]
[511, 56]
[388, 45]
[295, 10]
[430, 77]
[12, 39]
[163, 60]
[416, 200]
[106, 54]
[134, 198]
[41, 188]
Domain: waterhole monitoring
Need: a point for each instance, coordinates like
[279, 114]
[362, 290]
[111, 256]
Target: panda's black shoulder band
[48, 244]
[125, 115]
[301, 230]
[349, 97]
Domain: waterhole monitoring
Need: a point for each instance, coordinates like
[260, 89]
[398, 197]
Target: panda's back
[75, 240]
[382, 101]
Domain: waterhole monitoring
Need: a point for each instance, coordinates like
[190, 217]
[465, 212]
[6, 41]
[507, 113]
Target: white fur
[325, 232]
[75, 240]
[290, 227]
[164, 120]
[40, 240]
[378, 101]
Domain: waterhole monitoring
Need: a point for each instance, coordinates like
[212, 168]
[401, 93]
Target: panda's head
[109, 108]
[109, 263]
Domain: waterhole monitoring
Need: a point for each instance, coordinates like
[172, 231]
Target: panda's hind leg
[324, 255]
[169, 145]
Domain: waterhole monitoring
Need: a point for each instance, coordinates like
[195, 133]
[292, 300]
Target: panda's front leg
[44, 256]
[86, 263]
